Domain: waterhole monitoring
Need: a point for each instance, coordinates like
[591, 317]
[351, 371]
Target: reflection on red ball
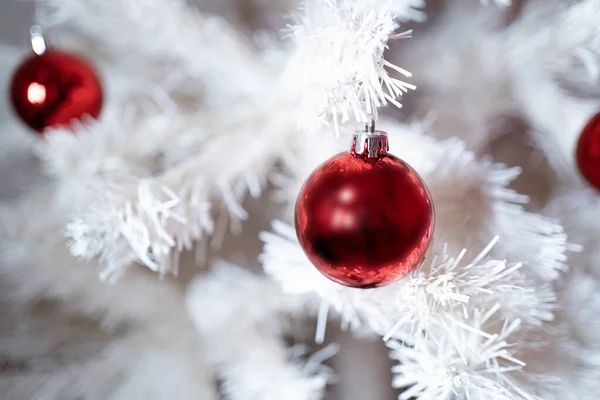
[364, 223]
[54, 88]
[588, 152]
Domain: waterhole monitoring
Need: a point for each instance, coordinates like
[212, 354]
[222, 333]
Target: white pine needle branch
[153, 219]
[473, 200]
[172, 34]
[337, 70]
[448, 286]
[239, 316]
[459, 359]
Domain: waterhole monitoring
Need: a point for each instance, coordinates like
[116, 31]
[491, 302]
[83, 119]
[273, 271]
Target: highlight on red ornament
[51, 88]
[365, 218]
[588, 152]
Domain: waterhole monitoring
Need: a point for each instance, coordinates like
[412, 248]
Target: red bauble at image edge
[52, 89]
[364, 222]
[588, 152]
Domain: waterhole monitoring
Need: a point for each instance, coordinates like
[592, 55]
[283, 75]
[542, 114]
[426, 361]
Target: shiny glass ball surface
[364, 223]
[52, 89]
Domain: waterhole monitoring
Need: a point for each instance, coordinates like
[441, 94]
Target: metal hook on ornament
[370, 117]
[370, 126]
[38, 43]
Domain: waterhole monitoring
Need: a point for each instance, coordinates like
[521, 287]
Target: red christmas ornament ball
[588, 152]
[364, 222]
[53, 88]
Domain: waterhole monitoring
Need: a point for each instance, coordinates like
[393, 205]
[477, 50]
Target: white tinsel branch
[137, 364]
[337, 70]
[472, 197]
[243, 337]
[137, 297]
[171, 34]
[151, 219]
[459, 306]
[461, 361]
[446, 285]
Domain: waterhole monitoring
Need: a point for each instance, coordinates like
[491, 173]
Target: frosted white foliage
[96, 358]
[490, 208]
[473, 194]
[338, 69]
[464, 364]
[182, 63]
[556, 69]
[577, 208]
[581, 43]
[455, 99]
[446, 284]
[580, 308]
[451, 299]
[300, 160]
[243, 337]
[129, 367]
[127, 212]
[137, 296]
[571, 338]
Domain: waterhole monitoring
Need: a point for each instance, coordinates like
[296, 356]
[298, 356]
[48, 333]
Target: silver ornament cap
[370, 143]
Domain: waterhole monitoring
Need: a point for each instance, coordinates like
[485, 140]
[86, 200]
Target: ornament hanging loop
[370, 127]
[38, 43]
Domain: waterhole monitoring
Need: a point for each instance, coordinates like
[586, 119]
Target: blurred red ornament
[365, 218]
[53, 88]
[588, 152]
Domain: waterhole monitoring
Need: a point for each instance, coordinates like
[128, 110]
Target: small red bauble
[365, 218]
[588, 152]
[53, 88]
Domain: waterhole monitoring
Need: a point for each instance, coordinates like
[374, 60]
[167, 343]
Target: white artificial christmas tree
[151, 254]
